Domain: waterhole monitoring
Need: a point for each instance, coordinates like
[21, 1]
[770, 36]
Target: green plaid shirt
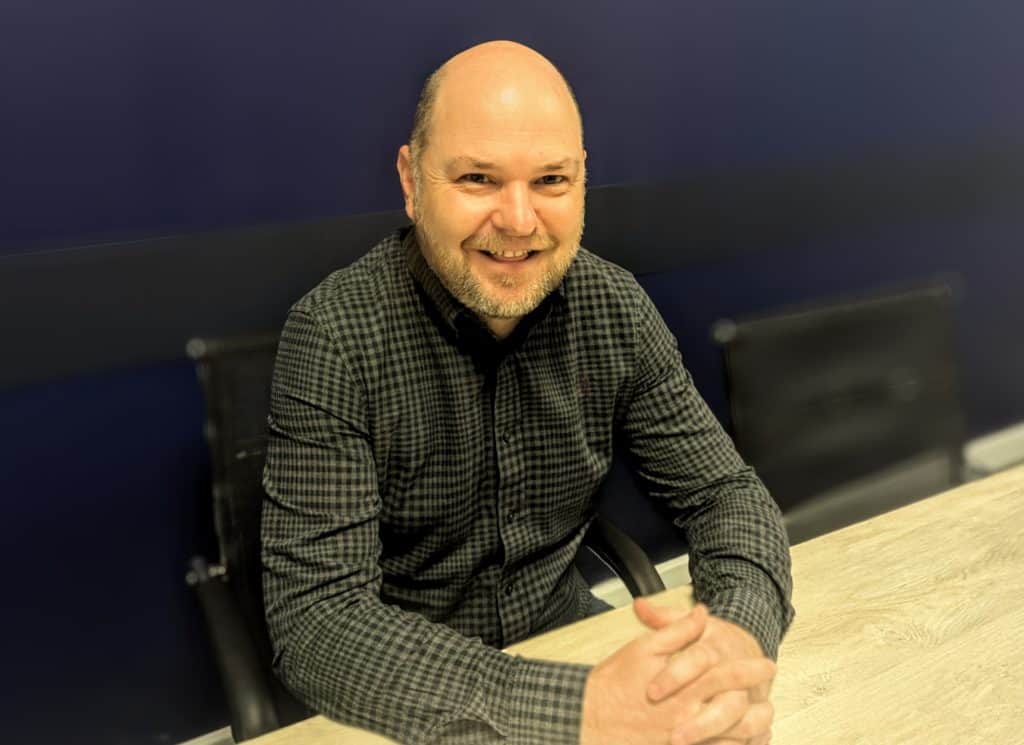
[428, 487]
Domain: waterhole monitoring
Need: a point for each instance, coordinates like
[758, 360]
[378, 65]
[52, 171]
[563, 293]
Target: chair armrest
[623, 556]
[249, 698]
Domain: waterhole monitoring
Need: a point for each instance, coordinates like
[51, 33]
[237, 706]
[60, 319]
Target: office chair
[849, 409]
[235, 374]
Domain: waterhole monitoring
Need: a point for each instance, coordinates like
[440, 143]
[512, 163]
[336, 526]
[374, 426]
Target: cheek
[562, 216]
[461, 216]
[471, 211]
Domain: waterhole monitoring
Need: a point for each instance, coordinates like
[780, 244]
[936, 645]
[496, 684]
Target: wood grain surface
[909, 631]
[910, 626]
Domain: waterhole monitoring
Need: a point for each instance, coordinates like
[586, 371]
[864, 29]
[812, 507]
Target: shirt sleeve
[739, 551]
[337, 646]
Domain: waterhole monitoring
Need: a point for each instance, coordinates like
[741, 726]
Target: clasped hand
[693, 678]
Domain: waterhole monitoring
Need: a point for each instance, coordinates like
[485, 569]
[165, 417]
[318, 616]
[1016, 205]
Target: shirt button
[510, 588]
[510, 516]
[506, 437]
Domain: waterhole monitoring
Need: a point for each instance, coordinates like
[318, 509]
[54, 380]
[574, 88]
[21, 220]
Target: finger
[765, 740]
[745, 731]
[755, 727]
[721, 714]
[679, 634]
[681, 670]
[655, 617]
[732, 675]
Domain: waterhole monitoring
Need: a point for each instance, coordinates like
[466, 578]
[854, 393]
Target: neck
[501, 327]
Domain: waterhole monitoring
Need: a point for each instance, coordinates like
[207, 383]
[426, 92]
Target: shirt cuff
[545, 702]
[753, 612]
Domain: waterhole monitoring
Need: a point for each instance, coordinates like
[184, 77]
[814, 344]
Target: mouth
[509, 257]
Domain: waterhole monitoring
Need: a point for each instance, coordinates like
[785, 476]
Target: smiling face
[497, 191]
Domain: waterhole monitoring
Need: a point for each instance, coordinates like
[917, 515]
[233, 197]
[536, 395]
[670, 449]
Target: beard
[452, 267]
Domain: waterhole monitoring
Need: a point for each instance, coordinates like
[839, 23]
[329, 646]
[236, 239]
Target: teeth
[509, 254]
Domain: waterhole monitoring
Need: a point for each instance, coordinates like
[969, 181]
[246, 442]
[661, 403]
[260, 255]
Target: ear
[404, 165]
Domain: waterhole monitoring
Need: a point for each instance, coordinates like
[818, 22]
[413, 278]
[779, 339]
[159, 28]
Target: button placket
[509, 485]
[506, 415]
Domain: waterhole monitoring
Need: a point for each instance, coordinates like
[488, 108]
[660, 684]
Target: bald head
[494, 180]
[501, 78]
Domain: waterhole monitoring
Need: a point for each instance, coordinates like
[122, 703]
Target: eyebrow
[561, 165]
[465, 161]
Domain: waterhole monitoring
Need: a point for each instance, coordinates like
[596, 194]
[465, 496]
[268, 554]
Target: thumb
[680, 633]
[654, 617]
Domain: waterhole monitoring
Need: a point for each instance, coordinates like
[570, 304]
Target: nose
[515, 214]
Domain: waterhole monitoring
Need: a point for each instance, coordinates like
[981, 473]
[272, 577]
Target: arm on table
[739, 552]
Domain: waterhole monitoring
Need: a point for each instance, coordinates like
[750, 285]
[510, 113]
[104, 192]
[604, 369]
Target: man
[443, 411]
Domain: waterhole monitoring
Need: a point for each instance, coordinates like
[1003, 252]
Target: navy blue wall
[124, 117]
[126, 121]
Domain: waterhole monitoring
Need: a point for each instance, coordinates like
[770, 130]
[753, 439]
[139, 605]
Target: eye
[552, 179]
[475, 178]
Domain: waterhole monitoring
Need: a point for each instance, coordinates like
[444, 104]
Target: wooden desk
[909, 630]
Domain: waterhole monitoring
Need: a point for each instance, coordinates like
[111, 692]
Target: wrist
[590, 709]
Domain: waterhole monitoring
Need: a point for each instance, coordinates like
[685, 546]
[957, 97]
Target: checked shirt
[428, 487]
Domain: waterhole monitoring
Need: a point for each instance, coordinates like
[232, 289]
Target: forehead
[494, 114]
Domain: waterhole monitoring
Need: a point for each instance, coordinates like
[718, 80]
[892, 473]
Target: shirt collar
[450, 309]
[454, 314]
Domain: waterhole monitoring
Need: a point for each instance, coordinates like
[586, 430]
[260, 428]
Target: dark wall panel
[132, 302]
[105, 496]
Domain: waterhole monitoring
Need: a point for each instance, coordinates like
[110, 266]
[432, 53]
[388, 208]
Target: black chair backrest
[236, 374]
[827, 395]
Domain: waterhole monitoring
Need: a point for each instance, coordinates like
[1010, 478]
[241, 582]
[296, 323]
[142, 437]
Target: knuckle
[768, 670]
[724, 711]
[679, 669]
[692, 625]
[695, 659]
[756, 723]
[735, 675]
[739, 702]
[755, 672]
[731, 711]
[710, 657]
[715, 682]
